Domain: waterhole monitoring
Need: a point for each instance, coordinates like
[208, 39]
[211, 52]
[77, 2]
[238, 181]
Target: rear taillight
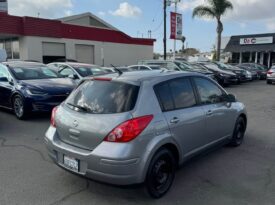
[270, 72]
[53, 116]
[129, 130]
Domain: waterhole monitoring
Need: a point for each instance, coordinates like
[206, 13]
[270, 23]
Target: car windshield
[104, 97]
[199, 67]
[33, 72]
[222, 66]
[184, 66]
[86, 70]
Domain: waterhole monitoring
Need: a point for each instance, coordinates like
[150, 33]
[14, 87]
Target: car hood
[50, 86]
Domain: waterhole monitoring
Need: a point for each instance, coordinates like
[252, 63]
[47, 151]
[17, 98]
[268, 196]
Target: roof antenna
[117, 70]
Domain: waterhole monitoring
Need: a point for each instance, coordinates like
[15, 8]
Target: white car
[146, 67]
[76, 71]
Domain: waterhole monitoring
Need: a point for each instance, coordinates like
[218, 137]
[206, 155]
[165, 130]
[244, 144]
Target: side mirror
[4, 79]
[231, 98]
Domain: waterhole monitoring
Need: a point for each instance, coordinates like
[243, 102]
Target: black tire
[161, 173]
[239, 133]
[19, 107]
[269, 82]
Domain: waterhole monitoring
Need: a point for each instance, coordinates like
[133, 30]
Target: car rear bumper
[271, 79]
[98, 165]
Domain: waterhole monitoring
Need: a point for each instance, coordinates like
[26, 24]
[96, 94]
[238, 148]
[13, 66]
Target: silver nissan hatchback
[137, 127]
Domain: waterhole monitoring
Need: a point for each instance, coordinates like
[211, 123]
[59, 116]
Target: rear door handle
[209, 113]
[175, 120]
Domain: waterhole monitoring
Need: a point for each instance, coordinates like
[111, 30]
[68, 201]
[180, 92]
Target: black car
[253, 72]
[27, 87]
[260, 69]
[241, 73]
[223, 77]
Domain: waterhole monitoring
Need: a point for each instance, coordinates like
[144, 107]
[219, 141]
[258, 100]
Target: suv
[138, 127]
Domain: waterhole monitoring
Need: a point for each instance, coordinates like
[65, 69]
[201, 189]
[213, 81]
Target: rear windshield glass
[104, 97]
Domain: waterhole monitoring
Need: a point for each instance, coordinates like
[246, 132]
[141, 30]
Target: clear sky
[136, 17]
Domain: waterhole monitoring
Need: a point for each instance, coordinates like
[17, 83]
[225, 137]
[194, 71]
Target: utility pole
[149, 34]
[164, 36]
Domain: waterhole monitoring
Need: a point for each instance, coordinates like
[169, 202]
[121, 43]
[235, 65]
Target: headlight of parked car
[35, 92]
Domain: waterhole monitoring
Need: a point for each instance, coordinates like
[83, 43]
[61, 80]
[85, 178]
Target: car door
[5, 87]
[186, 120]
[219, 114]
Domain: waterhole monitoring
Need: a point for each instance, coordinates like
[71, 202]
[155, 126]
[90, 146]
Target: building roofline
[87, 14]
[31, 26]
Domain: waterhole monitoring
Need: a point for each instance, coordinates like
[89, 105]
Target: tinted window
[176, 94]
[208, 91]
[183, 94]
[164, 96]
[104, 97]
[143, 68]
[134, 67]
[33, 72]
[85, 71]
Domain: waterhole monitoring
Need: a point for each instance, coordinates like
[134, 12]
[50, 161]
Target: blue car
[27, 87]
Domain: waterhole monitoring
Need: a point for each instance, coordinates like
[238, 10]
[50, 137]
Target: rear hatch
[93, 110]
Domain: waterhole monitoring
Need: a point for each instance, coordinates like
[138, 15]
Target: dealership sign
[176, 26]
[4, 6]
[260, 40]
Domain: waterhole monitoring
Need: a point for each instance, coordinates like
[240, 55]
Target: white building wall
[113, 53]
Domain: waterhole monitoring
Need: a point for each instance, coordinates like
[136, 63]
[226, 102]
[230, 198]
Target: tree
[191, 51]
[215, 9]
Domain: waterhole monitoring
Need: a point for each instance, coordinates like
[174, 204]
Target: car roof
[24, 64]
[73, 64]
[136, 77]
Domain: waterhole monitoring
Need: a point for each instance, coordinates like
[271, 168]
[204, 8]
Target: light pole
[164, 36]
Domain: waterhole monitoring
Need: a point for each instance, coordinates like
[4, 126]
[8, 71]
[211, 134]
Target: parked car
[223, 77]
[118, 69]
[27, 87]
[146, 67]
[240, 73]
[177, 65]
[253, 72]
[270, 78]
[138, 127]
[261, 69]
[76, 71]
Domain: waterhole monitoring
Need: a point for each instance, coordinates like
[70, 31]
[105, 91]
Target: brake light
[53, 116]
[129, 130]
[270, 72]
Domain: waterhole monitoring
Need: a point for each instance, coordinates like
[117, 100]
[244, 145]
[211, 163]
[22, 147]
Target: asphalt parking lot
[244, 175]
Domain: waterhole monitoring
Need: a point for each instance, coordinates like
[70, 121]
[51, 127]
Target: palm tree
[215, 9]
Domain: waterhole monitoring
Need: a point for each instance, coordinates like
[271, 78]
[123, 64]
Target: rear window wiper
[84, 109]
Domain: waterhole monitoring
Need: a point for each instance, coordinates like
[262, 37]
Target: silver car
[270, 76]
[138, 127]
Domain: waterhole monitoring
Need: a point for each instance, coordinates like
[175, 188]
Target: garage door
[54, 49]
[53, 52]
[84, 53]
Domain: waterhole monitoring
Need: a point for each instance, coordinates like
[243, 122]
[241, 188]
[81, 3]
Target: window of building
[12, 48]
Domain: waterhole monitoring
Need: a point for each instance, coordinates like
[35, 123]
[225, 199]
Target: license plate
[71, 163]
